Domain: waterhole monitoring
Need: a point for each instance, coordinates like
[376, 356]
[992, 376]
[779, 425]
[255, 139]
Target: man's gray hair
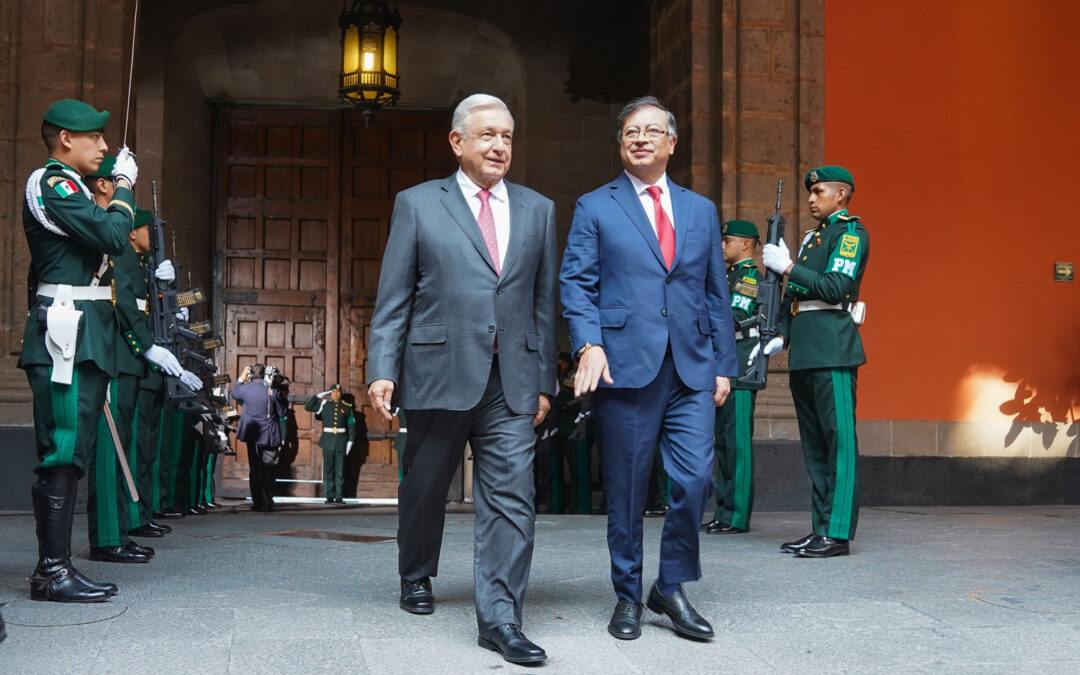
[641, 102]
[472, 103]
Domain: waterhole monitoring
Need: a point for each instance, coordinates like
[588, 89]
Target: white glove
[183, 314]
[348, 448]
[324, 394]
[776, 257]
[191, 380]
[164, 359]
[774, 345]
[165, 272]
[125, 166]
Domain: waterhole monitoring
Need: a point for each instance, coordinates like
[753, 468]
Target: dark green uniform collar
[840, 216]
[745, 262]
[52, 162]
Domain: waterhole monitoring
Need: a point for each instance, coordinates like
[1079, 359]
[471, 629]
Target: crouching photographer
[258, 390]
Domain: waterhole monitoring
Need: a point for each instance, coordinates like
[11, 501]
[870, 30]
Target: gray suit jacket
[440, 303]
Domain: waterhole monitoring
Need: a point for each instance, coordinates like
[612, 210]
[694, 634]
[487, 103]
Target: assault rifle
[767, 320]
[163, 309]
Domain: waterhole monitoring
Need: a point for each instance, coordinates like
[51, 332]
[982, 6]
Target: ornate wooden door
[402, 149]
[302, 215]
[276, 262]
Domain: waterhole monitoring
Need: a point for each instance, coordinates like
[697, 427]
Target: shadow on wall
[1033, 409]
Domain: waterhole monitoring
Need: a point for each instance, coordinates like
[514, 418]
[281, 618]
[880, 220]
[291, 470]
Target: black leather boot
[55, 578]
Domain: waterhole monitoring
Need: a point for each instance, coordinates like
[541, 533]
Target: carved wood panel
[401, 150]
[302, 215]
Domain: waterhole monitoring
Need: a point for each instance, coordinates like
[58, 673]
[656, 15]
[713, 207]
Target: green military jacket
[69, 250]
[743, 282]
[334, 415]
[829, 268]
[129, 277]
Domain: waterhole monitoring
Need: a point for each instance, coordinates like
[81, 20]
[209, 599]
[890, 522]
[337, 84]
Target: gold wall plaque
[1063, 271]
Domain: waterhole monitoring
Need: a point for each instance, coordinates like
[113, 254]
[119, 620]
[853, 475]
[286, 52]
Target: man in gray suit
[462, 339]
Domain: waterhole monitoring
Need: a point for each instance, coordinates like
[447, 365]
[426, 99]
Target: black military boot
[55, 578]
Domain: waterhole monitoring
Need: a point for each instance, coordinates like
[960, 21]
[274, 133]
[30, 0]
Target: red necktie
[664, 231]
[486, 221]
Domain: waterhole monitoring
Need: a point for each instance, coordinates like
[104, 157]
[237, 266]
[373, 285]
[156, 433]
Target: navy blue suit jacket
[618, 293]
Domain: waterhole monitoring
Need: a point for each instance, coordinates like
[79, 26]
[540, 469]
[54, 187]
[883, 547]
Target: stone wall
[48, 51]
[745, 79]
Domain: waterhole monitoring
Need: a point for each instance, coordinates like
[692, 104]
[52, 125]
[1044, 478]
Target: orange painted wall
[960, 120]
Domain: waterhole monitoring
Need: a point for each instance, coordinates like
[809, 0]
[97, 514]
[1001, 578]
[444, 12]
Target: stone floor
[957, 590]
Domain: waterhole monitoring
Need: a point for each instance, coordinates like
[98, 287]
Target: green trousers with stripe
[172, 444]
[825, 406]
[143, 458]
[66, 415]
[107, 500]
[735, 459]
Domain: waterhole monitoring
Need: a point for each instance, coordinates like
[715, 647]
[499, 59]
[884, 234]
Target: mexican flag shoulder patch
[66, 188]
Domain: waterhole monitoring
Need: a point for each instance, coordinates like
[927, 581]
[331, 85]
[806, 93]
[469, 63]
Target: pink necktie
[664, 231]
[486, 221]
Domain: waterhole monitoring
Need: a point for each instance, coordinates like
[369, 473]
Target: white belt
[78, 292]
[141, 304]
[746, 334]
[812, 306]
[334, 430]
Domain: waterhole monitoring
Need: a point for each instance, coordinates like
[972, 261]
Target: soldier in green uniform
[108, 500]
[338, 436]
[69, 351]
[820, 318]
[734, 427]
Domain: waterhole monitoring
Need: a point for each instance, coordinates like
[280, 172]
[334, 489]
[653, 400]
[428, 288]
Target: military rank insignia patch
[747, 286]
[849, 246]
[66, 188]
[53, 180]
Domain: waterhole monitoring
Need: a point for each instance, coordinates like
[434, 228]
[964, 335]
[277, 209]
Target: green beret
[829, 174]
[335, 387]
[142, 218]
[75, 116]
[740, 228]
[103, 171]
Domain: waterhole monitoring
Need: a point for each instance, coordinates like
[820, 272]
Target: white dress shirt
[500, 208]
[647, 201]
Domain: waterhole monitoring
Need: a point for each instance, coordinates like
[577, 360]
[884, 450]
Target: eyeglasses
[651, 133]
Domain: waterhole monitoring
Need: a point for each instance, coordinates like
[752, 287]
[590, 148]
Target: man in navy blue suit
[644, 289]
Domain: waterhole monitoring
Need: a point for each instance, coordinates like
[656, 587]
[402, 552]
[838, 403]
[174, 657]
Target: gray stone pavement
[945, 589]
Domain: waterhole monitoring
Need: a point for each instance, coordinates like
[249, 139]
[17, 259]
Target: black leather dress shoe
[165, 529]
[141, 550]
[718, 527]
[339, 500]
[416, 596]
[793, 546]
[656, 511]
[196, 510]
[677, 608]
[146, 531]
[116, 554]
[823, 547]
[330, 501]
[169, 513]
[509, 641]
[625, 621]
[214, 505]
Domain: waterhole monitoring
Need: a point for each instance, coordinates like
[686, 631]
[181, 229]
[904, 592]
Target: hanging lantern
[369, 43]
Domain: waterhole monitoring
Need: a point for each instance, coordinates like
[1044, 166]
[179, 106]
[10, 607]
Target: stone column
[48, 51]
[745, 78]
